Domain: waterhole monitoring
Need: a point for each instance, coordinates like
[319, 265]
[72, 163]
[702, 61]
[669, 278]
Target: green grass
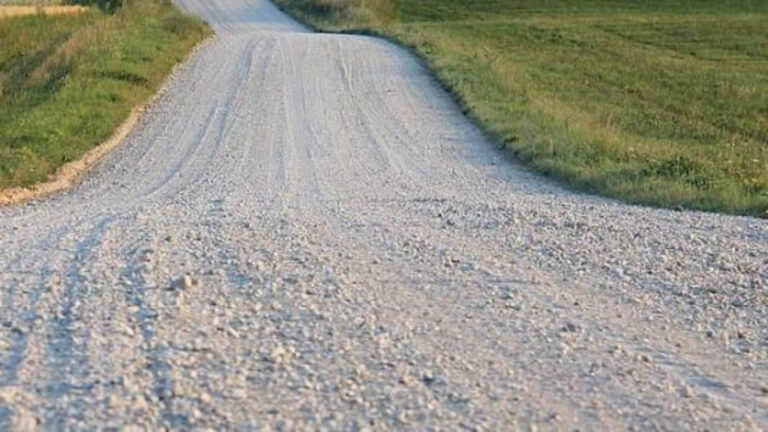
[66, 82]
[659, 102]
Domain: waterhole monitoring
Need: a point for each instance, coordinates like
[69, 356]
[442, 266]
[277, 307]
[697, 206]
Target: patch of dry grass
[19, 11]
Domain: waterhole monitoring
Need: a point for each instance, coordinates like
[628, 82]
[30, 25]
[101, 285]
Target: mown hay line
[19, 11]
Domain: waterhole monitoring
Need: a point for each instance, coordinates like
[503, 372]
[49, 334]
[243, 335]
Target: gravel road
[304, 232]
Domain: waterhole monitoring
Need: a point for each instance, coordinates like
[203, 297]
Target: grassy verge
[66, 82]
[660, 102]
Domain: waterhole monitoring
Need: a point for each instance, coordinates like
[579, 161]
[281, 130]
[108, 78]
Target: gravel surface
[304, 232]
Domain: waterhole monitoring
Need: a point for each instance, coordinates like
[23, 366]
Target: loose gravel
[304, 232]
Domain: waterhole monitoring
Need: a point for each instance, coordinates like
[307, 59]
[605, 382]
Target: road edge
[68, 174]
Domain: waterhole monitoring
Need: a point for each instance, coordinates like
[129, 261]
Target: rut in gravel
[358, 255]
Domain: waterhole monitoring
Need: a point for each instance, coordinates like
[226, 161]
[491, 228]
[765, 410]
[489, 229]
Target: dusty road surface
[360, 257]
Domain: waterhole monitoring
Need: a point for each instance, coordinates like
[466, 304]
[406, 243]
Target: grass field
[661, 102]
[66, 82]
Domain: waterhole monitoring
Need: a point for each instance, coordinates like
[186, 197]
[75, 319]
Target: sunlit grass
[66, 82]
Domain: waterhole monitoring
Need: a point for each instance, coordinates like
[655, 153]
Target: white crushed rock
[369, 261]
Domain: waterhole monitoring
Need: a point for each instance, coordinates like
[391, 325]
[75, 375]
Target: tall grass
[661, 102]
[66, 82]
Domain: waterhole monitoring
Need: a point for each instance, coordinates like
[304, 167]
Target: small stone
[184, 283]
[115, 401]
[428, 378]
[281, 355]
[140, 403]
[507, 293]
[570, 327]
[24, 420]
[128, 330]
[686, 392]
[406, 380]
[491, 224]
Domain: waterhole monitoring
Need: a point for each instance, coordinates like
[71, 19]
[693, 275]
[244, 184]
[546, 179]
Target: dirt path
[359, 256]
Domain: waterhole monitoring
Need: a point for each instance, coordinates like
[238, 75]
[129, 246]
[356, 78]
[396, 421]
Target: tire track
[68, 383]
[137, 275]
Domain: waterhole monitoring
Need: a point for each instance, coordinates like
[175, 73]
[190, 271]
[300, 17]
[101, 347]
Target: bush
[105, 5]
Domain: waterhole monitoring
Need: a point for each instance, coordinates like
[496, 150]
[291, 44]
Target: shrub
[105, 5]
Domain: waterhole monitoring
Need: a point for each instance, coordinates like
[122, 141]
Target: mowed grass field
[66, 82]
[660, 102]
